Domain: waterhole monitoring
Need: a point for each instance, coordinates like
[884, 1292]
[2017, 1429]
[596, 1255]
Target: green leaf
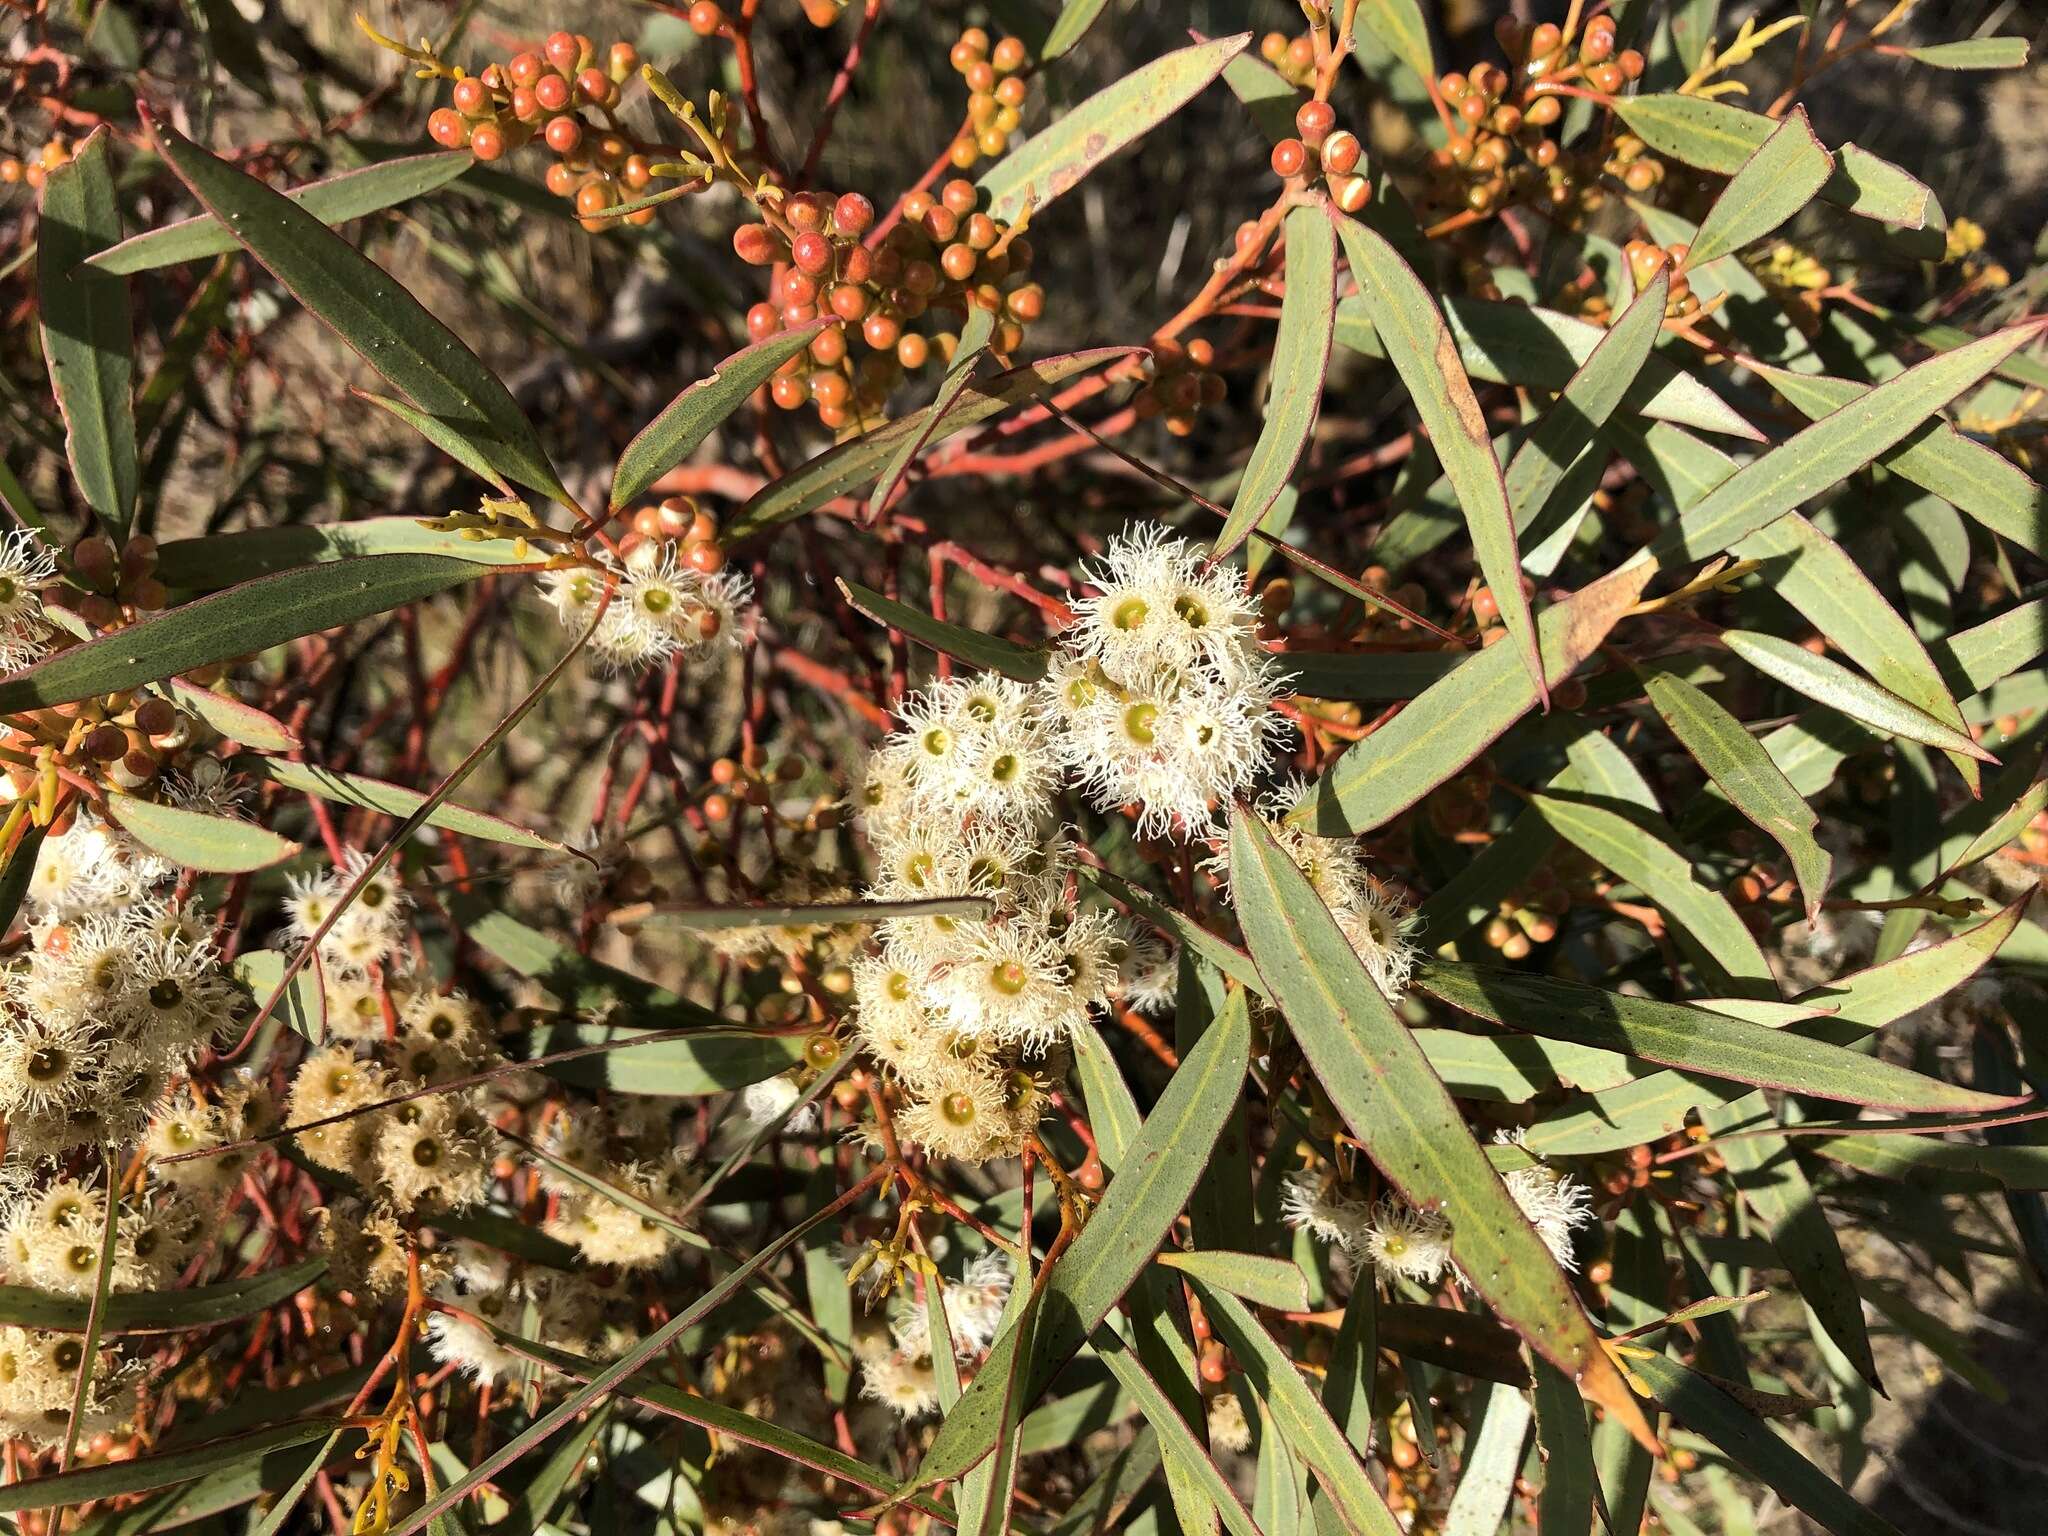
[159, 1471]
[197, 1306]
[1775, 182]
[1690, 1037]
[220, 845]
[1564, 1506]
[1715, 136]
[1592, 395]
[716, 1061]
[444, 437]
[696, 413]
[1904, 1157]
[1491, 1462]
[1458, 718]
[1180, 1443]
[1420, 347]
[852, 464]
[992, 653]
[809, 914]
[1828, 682]
[304, 1004]
[579, 982]
[1831, 449]
[15, 875]
[1972, 53]
[1258, 1277]
[1270, 100]
[1503, 343]
[1055, 159]
[1298, 1415]
[1399, 24]
[1747, 776]
[397, 801]
[331, 200]
[1463, 1342]
[366, 308]
[233, 719]
[1814, 574]
[1301, 356]
[972, 346]
[1973, 478]
[244, 619]
[1750, 1443]
[86, 339]
[1142, 1202]
[216, 560]
[1665, 875]
[1404, 1119]
[1072, 24]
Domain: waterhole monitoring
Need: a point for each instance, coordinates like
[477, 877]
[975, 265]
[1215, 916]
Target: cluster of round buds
[14, 170]
[661, 606]
[944, 256]
[997, 90]
[1630, 162]
[1323, 149]
[1160, 694]
[546, 95]
[1646, 259]
[679, 520]
[1293, 58]
[1180, 380]
[1546, 52]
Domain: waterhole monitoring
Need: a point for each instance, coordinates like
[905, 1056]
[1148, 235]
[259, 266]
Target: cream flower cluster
[571, 1312]
[39, 1379]
[1415, 1245]
[962, 1011]
[115, 993]
[631, 1150]
[661, 608]
[370, 930]
[896, 1367]
[1160, 695]
[1374, 921]
[27, 570]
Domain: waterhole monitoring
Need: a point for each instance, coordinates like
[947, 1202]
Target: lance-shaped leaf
[1072, 24]
[198, 1306]
[1503, 343]
[1972, 53]
[1458, 718]
[973, 345]
[1832, 449]
[398, 801]
[1150, 1190]
[331, 200]
[1665, 875]
[1828, 682]
[716, 1061]
[1400, 25]
[1775, 182]
[450, 440]
[1401, 1114]
[1116, 1352]
[1298, 1414]
[1968, 475]
[852, 464]
[1420, 347]
[251, 617]
[1492, 1461]
[1687, 1036]
[366, 308]
[86, 340]
[1745, 773]
[161, 1470]
[1959, 1163]
[220, 845]
[1589, 398]
[1715, 136]
[233, 719]
[1301, 355]
[1564, 1507]
[1816, 575]
[992, 653]
[1750, 1443]
[1054, 160]
[216, 560]
[695, 414]
[1258, 1277]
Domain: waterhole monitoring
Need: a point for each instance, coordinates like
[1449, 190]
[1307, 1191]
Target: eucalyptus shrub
[1393, 898]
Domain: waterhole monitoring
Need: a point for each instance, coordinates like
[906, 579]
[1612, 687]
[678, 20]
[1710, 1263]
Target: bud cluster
[14, 170]
[997, 90]
[1180, 380]
[943, 256]
[1294, 59]
[1323, 149]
